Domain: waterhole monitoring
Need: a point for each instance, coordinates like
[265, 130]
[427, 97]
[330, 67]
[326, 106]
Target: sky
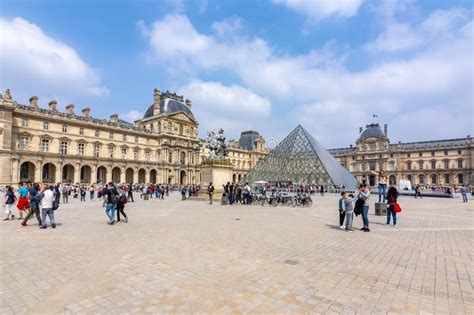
[265, 65]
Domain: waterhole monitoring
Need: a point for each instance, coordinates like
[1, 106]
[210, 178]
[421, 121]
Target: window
[81, 131]
[420, 165]
[159, 126]
[80, 148]
[170, 127]
[44, 145]
[434, 179]
[191, 132]
[111, 135]
[64, 128]
[23, 143]
[459, 151]
[372, 166]
[353, 158]
[421, 179]
[181, 129]
[446, 164]
[408, 155]
[158, 155]
[147, 155]
[124, 153]
[420, 154]
[25, 122]
[124, 137]
[460, 179]
[97, 149]
[151, 127]
[409, 177]
[170, 157]
[135, 154]
[459, 163]
[433, 165]
[45, 125]
[97, 133]
[111, 152]
[391, 155]
[445, 152]
[63, 147]
[182, 158]
[136, 139]
[432, 153]
[446, 179]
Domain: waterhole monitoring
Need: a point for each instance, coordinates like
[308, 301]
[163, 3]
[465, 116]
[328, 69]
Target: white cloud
[227, 26]
[318, 87]
[320, 9]
[232, 107]
[34, 62]
[132, 115]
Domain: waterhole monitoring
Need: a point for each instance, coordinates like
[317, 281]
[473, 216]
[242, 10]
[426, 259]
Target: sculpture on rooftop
[6, 95]
[215, 142]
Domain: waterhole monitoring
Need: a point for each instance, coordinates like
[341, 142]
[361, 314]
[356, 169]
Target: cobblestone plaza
[187, 256]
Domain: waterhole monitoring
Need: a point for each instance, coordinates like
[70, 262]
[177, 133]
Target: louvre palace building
[434, 163]
[43, 144]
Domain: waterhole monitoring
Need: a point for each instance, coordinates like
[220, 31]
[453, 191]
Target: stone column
[109, 174]
[123, 173]
[37, 177]
[147, 176]
[135, 176]
[93, 174]
[77, 173]
[15, 178]
[59, 173]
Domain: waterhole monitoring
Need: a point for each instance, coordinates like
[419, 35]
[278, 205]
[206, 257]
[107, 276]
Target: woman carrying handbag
[393, 206]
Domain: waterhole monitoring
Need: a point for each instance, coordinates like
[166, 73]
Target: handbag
[397, 208]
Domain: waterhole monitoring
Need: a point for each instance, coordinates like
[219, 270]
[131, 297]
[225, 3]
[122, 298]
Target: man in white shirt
[47, 207]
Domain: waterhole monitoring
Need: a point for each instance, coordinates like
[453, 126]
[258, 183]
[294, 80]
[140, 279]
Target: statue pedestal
[217, 172]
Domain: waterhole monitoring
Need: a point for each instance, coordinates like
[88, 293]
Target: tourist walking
[9, 200]
[392, 197]
[34, 199]
[110, 201]
[210, 192]
[463, 190]
[23, 203]
[363, 195]
[183, 193]
[130, 193]
[83, 193]
[48, 198]
[65, 192]
[417, 191]
[121, 201]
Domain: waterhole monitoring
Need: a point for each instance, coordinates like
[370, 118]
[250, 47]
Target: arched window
[434, 179]
[460, 179]
[446, 178]
[421, 179]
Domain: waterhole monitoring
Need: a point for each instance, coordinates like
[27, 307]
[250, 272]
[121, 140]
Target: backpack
[112, 197]
[55, 204]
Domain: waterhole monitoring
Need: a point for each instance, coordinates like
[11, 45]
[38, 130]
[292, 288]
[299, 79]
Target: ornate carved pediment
[64, 139]
[97, 143]
[182, 117]
[25, 134]
[45, 136]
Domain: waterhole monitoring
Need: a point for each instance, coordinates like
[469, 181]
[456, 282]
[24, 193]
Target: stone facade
[435, 163]
[46, 145]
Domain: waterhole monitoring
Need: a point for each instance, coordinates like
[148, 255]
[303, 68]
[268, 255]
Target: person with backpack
[362, 203]
[210, 192]
[34, 199]
[392, 196]
[48, 200]
[110, 201]
[121, 201]
[9, 200]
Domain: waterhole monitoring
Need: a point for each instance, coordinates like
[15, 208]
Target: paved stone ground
[183, 257]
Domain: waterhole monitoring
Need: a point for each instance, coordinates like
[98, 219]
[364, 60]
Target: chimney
[86, 112]
[360, 130]
[114, 118]
[385, 130]
[156, 101]
[189, 103]
[34, 101]
[53, 106]
[70, 109]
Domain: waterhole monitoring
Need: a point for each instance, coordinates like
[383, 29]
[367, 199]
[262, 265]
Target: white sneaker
[342, 227]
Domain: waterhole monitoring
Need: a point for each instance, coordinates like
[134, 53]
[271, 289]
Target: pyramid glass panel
[300, 159]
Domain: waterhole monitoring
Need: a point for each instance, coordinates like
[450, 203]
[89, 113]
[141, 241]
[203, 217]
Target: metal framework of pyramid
[300, 159]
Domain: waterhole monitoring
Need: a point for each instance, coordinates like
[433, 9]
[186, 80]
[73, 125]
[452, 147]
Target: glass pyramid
[300, 159]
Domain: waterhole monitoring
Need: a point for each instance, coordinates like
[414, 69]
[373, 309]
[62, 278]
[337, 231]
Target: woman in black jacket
[392, 196]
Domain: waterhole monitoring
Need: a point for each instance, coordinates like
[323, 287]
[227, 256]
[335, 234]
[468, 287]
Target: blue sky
[263, 65]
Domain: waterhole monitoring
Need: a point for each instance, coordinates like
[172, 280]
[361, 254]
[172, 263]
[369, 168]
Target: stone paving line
[189, 257]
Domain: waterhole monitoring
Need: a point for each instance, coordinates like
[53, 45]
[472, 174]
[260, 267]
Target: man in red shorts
[23, 203]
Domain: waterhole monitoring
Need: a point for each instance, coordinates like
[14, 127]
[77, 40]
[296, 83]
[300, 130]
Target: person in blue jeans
[382, 185]
[364, 194]
[392, 197]
[464, 193]
[110, 201]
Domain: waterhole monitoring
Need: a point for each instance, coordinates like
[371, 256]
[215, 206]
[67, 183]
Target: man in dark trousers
[130, 193]
[210, 192]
